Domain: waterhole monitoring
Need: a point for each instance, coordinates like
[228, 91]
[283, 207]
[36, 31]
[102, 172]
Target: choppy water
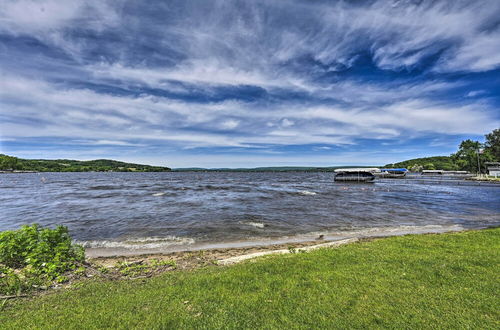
[172, 211]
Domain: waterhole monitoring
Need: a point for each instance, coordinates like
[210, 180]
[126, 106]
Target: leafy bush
[429, 166]
[34, 256]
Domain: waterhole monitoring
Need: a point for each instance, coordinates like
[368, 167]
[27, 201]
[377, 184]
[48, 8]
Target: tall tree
[467, 155]
[492, 144]
[470, 154]
[8, 162]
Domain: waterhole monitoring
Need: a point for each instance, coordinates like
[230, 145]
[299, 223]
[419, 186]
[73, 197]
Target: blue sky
[247, 83]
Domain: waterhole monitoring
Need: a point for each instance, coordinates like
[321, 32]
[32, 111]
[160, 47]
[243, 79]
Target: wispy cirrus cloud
[273, 77]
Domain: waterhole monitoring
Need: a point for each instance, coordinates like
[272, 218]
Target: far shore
[485, 178]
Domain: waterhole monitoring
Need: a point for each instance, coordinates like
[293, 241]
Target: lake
[150, 212]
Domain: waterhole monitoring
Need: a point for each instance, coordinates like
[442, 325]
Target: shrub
[429, 166]
[36, 256]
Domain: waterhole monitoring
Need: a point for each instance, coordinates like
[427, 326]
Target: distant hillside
[258, 169]
[66, 165]
[265, 169]
[428, 163]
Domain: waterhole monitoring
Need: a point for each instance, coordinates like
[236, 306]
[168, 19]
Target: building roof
[361, 169]
[394, 169]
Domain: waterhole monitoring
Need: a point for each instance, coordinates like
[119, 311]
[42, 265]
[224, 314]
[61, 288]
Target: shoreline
[485, 178]
[209, 254]
[454, 273]
[189, 259]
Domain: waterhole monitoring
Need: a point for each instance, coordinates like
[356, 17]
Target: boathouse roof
[360, 169]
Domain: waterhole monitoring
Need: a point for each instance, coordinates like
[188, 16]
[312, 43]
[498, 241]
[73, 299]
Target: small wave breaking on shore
[169, 244]
[143, 243]
[255, 224]
[396, 230]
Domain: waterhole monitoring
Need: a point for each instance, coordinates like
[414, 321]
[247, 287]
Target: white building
[493, 168]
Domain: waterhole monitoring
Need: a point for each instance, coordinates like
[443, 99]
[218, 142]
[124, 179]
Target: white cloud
[287, 123]
[227, 44]
[102, 117]
[412, 116]
[32, 16]
[475, 93]
[481, 53]
[45, 18]
[116, 143]
[230, 124]
[195, 50]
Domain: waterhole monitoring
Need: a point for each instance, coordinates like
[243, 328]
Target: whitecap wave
[255, 224]
[413, 229]
[159, 194]
[307, 193]
[139, 243]
[392, 231]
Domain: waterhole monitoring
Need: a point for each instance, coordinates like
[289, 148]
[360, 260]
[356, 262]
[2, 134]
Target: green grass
[485, 178]
[422, 281]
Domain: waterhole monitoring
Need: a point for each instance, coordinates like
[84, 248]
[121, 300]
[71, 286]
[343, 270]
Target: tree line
[10, 163]
[471, 156]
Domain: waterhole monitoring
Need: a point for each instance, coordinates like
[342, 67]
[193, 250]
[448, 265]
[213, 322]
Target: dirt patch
[195, 259]
[149, 265]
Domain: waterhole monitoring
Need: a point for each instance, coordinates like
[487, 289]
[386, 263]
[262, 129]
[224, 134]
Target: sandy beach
[198, 258]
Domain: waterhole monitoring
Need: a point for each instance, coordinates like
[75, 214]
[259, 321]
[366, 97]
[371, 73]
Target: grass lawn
[417, 281]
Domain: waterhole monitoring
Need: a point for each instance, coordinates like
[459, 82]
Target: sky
[247, 83]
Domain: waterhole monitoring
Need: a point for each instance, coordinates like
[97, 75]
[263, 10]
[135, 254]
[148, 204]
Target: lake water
[149, 212]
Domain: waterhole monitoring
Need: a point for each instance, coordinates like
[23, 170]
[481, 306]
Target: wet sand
[223, 250]
[198, 258]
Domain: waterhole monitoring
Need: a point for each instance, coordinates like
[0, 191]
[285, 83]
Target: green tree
[8, 162]
[416, 168]
[492, 144]
[429, 166]
[469, 154]
[466, 156]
